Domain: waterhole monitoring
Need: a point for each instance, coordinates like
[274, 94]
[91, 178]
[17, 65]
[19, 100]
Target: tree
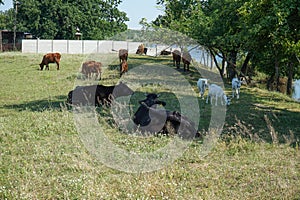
[49, 19]
[264, 33]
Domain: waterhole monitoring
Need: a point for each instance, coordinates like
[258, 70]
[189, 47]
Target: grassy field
[42, 155]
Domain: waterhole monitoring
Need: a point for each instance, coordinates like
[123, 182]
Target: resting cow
[165, 52]
[91, 67]
[176, 58]
[50, 58]
[123, 54]
[97, 95]
[186, 59]
[152, 120]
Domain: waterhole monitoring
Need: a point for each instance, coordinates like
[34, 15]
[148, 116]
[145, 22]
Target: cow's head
[152, 99]
[69, 98]
[122, 90]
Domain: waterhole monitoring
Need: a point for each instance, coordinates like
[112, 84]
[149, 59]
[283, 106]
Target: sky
[135, 9]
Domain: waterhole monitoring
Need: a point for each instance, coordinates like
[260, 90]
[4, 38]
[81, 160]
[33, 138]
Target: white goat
[236, 85]
[202, 83]
[215, 91]
[296, 90]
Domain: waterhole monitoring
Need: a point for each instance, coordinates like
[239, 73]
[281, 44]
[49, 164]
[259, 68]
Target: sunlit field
[44, 156]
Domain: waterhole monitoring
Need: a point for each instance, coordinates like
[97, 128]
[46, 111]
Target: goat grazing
[215, 91]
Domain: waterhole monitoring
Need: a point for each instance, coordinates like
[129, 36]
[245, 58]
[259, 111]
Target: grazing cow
[176, 58]
[97, 94]
[296, 90]
[50, 58]
[91, 67]
[141, 50]
[215, 91]
[186, 59]
[123, 67]
[236, 85]
[123, 54]
[202, 83]
[152, 120]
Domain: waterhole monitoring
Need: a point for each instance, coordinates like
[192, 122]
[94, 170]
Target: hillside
[44, 155]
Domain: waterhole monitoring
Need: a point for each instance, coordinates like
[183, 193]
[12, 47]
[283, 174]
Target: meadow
[44, 156]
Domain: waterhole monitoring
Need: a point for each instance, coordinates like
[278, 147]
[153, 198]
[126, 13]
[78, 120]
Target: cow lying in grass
[236, 85]
[215, 91]
[202, 84]
[97, 95]
[50, 58]
[152, 120]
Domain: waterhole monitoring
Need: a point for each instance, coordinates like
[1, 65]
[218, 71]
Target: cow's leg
[47, 66]
[57, 65]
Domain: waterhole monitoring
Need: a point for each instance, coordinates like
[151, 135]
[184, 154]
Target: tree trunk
[245, 66]
[276, 78]
[231, 65]
[290, 78]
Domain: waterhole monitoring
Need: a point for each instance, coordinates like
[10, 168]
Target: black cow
[97, 94]
[152, 120]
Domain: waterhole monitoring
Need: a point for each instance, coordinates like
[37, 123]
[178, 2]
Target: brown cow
[176, 58]
[92, 67]
[186, 59]
[123, 54]
[123, 67]
[50, 58]
[141, 50]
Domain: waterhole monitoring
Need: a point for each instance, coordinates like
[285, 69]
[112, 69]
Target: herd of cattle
[147, 118]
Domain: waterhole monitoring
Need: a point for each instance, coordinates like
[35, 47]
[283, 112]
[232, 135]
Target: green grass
[42, 155]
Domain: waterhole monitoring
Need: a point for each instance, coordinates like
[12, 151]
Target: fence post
[37, 45]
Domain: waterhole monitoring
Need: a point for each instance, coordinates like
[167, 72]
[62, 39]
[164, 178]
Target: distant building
[7, 40]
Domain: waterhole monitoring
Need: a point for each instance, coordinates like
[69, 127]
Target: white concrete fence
[77, 46]
[105, 46]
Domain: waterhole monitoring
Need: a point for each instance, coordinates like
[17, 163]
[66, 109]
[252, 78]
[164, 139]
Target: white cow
[236, 85]
[215, 91]
[202, 83]
[296, 90]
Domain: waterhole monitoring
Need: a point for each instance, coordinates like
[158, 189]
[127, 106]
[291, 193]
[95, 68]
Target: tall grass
[43, 157]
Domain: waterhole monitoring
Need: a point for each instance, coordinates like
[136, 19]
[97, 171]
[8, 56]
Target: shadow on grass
[57, 103]
[253, 116]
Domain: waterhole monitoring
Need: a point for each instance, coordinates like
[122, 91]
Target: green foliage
[266, 30]
[50, 19]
